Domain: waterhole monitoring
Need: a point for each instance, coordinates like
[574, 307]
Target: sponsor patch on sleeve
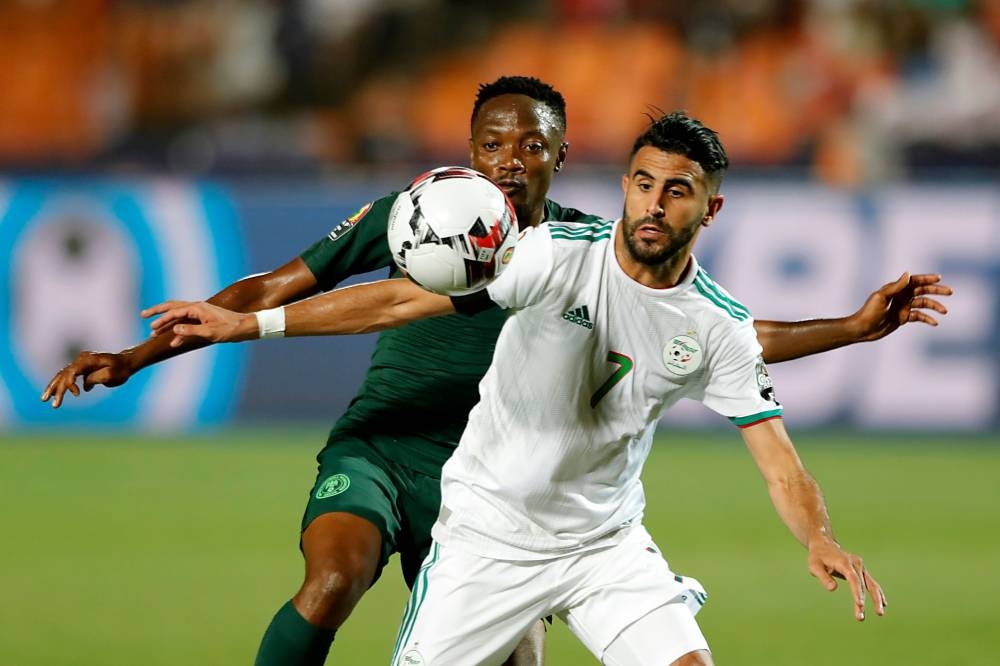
[341, 229]
[764, 381]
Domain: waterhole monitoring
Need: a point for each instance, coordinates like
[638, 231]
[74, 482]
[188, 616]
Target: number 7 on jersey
[625, 366]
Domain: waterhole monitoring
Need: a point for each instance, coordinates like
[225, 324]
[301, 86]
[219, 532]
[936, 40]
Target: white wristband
[271, 323]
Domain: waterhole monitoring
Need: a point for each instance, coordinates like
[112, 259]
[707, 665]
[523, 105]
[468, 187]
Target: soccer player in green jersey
[377, 490]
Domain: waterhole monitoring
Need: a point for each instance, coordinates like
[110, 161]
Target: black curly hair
[522, 85]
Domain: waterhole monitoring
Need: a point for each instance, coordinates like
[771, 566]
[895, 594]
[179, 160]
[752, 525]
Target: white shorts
[466, 609]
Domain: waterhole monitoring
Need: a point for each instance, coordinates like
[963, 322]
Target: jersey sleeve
[356, 245]
[739, 386]
[527, 276]
[558, 213]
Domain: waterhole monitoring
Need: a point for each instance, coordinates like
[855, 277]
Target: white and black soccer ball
[452, 230]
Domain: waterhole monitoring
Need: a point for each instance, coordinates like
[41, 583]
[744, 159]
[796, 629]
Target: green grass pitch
[148, 551]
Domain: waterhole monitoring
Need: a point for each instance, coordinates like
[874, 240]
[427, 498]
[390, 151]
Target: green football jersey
[424, 377]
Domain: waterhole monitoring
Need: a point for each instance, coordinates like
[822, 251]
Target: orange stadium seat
[53, 62]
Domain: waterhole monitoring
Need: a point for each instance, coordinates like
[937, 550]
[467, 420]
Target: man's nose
[512, 161]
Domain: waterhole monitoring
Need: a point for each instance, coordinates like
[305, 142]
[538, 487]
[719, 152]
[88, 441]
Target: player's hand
[908, 299]
[188, 319]
[827, 560]
[96, 368]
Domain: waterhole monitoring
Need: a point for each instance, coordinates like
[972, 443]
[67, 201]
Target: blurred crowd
[851, 91]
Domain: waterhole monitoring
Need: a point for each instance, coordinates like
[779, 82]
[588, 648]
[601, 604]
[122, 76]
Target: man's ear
[624, 183]
[714, 206]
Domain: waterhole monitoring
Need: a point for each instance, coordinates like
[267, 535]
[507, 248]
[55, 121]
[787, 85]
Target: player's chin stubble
[652, 254]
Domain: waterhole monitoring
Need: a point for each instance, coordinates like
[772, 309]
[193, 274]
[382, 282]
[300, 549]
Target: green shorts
[354, 477]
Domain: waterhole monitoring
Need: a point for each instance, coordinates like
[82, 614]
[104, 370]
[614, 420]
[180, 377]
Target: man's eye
[533, 147]
[645, 187]
[490, 145]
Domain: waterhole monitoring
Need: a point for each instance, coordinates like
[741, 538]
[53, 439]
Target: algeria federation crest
[682, 355]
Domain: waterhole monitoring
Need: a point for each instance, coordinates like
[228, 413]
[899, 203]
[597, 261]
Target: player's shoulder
[374, 215]
[724, 325]
[573, 245]
[580, 233]
[555, 212]
[375, 210]
[355, 244]
[716, 304]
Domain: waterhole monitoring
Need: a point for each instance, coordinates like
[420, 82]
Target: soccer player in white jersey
[613, 322]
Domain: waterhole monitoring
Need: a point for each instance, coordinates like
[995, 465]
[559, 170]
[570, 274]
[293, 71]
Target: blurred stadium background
[153, 149]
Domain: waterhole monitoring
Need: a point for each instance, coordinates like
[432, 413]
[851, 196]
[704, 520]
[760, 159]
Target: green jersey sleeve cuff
[754, 419]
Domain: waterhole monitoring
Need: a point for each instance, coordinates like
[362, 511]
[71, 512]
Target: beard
[654, 254]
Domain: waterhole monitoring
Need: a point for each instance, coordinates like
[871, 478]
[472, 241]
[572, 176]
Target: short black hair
[681, 134]
[522, 85]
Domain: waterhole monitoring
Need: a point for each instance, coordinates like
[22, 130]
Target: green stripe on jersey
[755, 418]
[413, 606]
[588, 231]
[726, 304]
[579, 230]
[582, 227]
[589, 239]
[709, 282]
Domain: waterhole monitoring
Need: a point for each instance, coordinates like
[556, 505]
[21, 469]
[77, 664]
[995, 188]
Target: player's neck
[531, 218]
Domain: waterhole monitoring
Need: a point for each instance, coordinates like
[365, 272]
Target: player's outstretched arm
[363, 308]
[799, 502]
[290, 282]
[908, 299]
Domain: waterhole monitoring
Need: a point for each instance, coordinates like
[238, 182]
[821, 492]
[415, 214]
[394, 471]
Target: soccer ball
[452, 230]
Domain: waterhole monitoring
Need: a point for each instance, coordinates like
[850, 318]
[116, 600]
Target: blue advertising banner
[81, 258]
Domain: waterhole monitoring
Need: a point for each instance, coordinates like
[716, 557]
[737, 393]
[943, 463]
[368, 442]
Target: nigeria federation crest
[333, 485]
[682, 355]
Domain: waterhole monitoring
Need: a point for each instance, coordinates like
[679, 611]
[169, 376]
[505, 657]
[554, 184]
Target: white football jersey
[583, 368]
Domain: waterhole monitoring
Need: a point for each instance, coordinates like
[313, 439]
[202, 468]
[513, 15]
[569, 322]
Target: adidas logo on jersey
[580, 316]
